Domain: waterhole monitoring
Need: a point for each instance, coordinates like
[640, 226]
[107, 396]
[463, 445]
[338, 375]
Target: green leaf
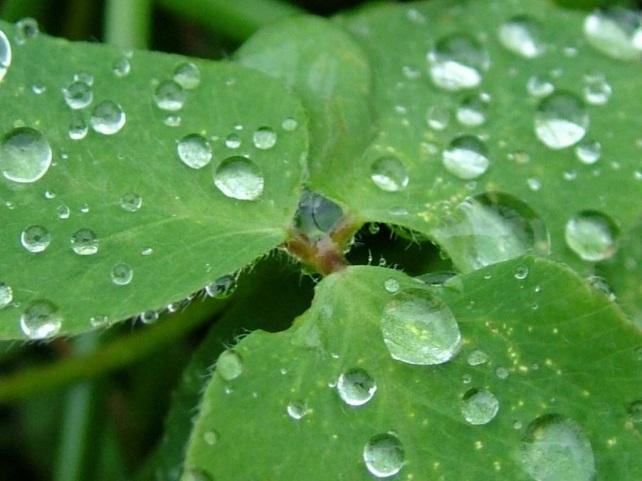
[562, 362]
[187, 231]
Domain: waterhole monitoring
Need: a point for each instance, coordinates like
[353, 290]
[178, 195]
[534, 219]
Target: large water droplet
[187, 75]
[591, 236]
[84, 242]
[121, 274]
[25, 155]
[6, 295]
[479, 407]
[229, 365]
[78, 95]
[107, 118]
[131, 202]
[555, 448]
[5, 54]
[264, 138]
[522, 35]
[420, 329]
[35, 238]
[616, 32]
[222, 287]
[356, 387]
[169, 96]
[40, 320]
[457, 62]
[561, 120]
[194, 151]
[466, 157]
[239, 178]
[389, 174]
[384, 455]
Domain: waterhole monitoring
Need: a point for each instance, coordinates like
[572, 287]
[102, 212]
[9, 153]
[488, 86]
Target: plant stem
[234, 19]
[112, 356]
[127, 23]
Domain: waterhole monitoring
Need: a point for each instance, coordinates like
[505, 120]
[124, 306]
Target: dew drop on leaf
[438, 117]
[40, 320]
[420, 329]
[264, 138]
[522, 35]
[597, 90]
[616, 32]
[477, 357]
[472, 112]
[169, 96]
[502, 373]
[466, 157]
[555, 448]
[107, 118]
[239, 178]
[122, 274]
[35, 238]
[588, 151]
[84, 242]
[457, 62]
[25, 155]
[591, 236]
[187, 75]
[131, 202]
[521, 273]
[222, 287]
[149, 317]
[540, 86]
[78, 95]
[63, 212]
[389, 174]
[391, 285]
[229, 365]
[561, 120]
[210, 437]
[296, 410]
[194, 151]
[5, 54]
[289, 124]
[232, 141]
[121, 67]
[78, 127]
[6, 295]
[479, 407]
[26, 29]
[384, 455]
[356, 387]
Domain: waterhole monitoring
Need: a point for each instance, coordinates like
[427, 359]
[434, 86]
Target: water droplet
[466, 157]
[194, 474]
[533, 184]
[78, 127]
[597, 90]
[6, 295]
[479, 407]
[84, 242]
[121, 67]
[173, 120]
[438, 117]
[222, 287]
[63, 212]
[391, 285]
[210, 437]
[187, 75]
[78, 95]
[107, 118]
[131, 202]
[122, 274]
[522, 35]
[420, 329]
[289, 124]
[540, 86]
[616, 32]
[555, 448]
[356, 387]
[239, 178]
[40, 320]
[561, 120]
[149, 317]
[38, 89]
[5, 54]
[194, 151]
[147, 251]
[502, 373]
[169, 96]
[35, 238]
[635, 414]
[99, 321]
[600, 284]
[476, 358]
[591, 236]
[384, 455]
[457, 62]
[521, 273]
[264, 138]
[389, 174]
[26, 29]
[229, 365]
[296, 410]
[232, 141]
[588, 151]
[472, 112]
[25, 155]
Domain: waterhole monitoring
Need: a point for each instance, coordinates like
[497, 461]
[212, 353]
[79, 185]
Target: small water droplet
[616, 32]
[84, 242]
[289, 124]
[420, 329]
[466, 157]
[597, 90]
[296, 410]
[479, 406]
[99, 321]
[169, 96]
[502, 373]
[149, 317]
[561, 120]
[588, 151]
[107, 118]
[264, 138]
[63, 212]
[391, 285]
[131, 202]
[389, 174]
[438, 117]
[78, 95]
[222, 287]
[477, 358]
[26, 29]
[6, 295]
[121, 274]
[239, 178]
[210, 437]
[540, 86]
[194, 151]
[384, 455]
[5, 54]
[187, 75]
[472, 112]
[591, 235]
[38, 89]
[25, 155]
[457, 62]
[522, 35]
[121, 67]
[35, 238]
[521, 273]
[555, 448]
[78, 127]
[356, 387]
[40, 320]
[229, 365]
[232, 141]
